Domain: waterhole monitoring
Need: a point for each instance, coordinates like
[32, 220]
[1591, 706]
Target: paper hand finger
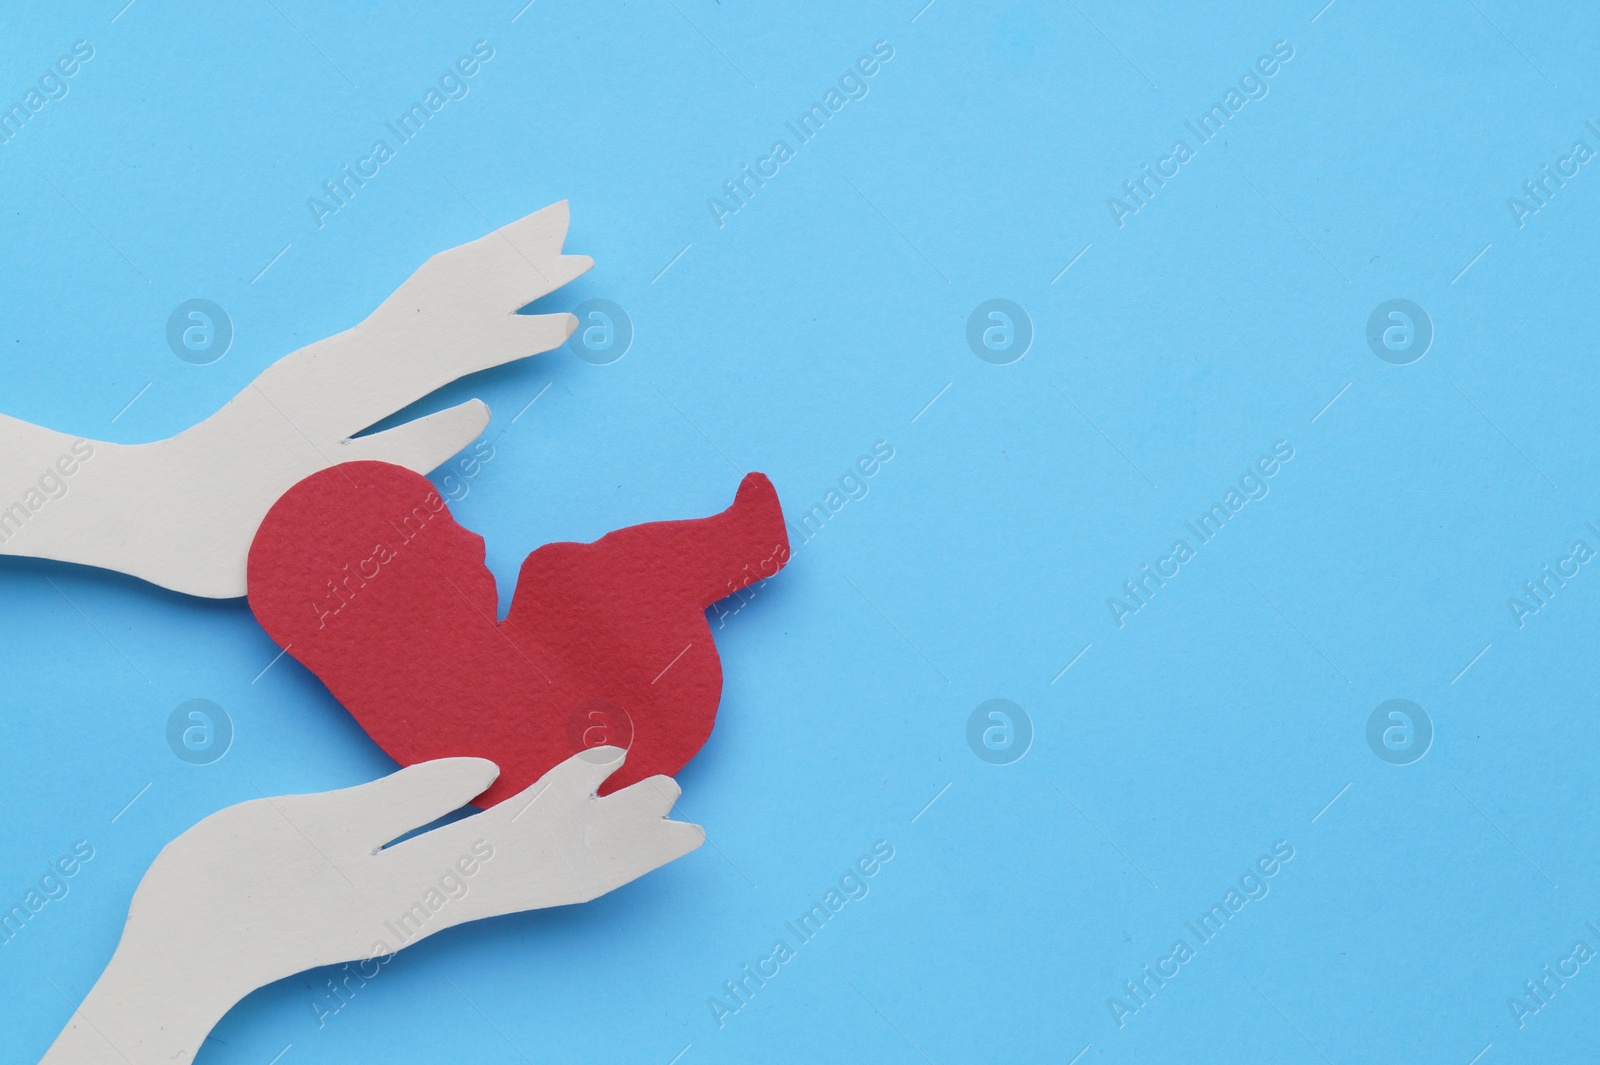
[651, 797]
[425, 444]
[625, 841]
[364, 818]
[490, 340]
[453, 316]
[557, 843]
[578, 778]
[516, 264]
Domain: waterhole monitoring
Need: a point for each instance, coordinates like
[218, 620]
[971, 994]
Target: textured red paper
[363, 575]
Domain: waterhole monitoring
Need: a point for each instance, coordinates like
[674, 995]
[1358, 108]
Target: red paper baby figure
[361, 573]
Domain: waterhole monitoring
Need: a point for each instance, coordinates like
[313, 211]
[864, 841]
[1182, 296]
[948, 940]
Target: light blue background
[822, 317]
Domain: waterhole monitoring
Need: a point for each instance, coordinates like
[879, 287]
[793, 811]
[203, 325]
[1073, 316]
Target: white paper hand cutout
[181, 512]
[272, 887]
